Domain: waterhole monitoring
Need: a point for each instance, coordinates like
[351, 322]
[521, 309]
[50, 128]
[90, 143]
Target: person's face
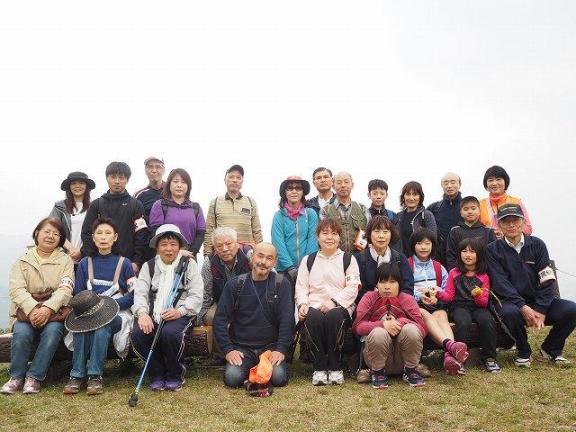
[104, 237]
[154, 171]
[468, 257]
[451, 185]
[470, 212]
[377, 196]
[411, 199]
[328, 240]
[389, 288]
[263, 260]
[294, 193]
[233, 182]
[47, 238]
[380, 238]
[511, 226]
[168, 249]
[495, 185]
[178, 187]
[78, 188]
[343, 186]
[423, 249]
[323, 181]
[226, 248]
[117, 183]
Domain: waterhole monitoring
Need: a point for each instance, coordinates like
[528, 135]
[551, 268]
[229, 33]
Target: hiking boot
[458, 350]
[412, 377]
[319, 378]
[491, 365]
[379, 379]
[31, 385]
[543, 356]
[423, 370]
[174, 386]
[72, 386]
[363, 376]
[157, 385]
[336, 377]
[523, 361]
[451, 365]
[94, 386]
[13, 385]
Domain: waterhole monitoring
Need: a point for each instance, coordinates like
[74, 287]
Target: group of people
[109, 273]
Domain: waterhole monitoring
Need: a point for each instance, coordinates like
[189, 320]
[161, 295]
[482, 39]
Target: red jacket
[449, 294]
[372, 308]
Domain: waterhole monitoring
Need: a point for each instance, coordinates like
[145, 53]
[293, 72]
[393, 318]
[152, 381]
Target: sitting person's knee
[234, 376]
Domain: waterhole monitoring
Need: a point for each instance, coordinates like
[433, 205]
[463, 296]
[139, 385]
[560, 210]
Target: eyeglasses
[294, 187]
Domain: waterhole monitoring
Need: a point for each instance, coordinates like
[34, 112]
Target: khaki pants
[382, 351]
[208, 318]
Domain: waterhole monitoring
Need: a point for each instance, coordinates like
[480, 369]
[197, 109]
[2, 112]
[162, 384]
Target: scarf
[380, 258]
[165, 282]
[292, 212]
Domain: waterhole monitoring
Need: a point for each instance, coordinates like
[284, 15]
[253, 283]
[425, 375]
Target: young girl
[392, 328]
[429, 277]
[468, 292]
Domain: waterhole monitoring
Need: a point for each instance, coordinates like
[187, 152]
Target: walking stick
[180, 272]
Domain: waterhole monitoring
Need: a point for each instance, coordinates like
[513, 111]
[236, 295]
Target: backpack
[271, 293]
[437, 269]
[346, 258]
[216, 204]
[165, 204]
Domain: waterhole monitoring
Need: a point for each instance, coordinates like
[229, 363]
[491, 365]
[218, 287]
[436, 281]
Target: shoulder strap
[310, 261]
[411, 263]
[240, 282]
[151, 267]
[346, 258]
[250, 201]
[117, 271]
[90, 272]
[438, 271]
[164, 208]
[215, 218]
[195, 209]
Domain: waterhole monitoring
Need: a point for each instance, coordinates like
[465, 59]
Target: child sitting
[392, 328]
[468, 292]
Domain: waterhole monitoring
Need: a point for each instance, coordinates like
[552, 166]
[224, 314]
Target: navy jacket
[461, 232]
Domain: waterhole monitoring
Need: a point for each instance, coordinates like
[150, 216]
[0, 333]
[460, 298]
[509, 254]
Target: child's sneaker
[336, 377]
[363, 376]
[451, 365]
[319, 378]
[543, 356]
[379, 379]
[462, 370]
[523, 361]
[412, 377]
[491, 365]
[458, 350]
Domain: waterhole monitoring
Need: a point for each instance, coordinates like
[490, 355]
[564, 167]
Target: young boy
[471, 227]
[378, 192]
[392, 328]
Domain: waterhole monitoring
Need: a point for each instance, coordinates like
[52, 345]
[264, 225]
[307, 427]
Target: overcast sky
[396, 90]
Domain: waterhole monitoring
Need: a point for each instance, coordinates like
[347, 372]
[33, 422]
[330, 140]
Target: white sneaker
[522, 362]
[319, 378]
[336, 377]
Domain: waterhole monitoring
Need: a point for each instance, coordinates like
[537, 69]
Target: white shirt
[519, 246]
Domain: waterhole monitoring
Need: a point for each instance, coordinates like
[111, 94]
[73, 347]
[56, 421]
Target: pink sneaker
[458, 350]
[31, 385]
[13, 385]
[451, 365]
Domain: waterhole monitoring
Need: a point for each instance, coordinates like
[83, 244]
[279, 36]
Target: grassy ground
[542, 398]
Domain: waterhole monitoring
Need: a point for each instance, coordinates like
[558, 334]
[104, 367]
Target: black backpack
[269, 306]
[346, 258]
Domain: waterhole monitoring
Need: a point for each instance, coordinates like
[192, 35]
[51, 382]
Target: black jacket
[461, 232]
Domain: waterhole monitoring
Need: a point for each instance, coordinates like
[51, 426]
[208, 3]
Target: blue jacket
[294, 239]
[514, 276]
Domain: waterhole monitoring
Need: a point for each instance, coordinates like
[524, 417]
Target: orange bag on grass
[262, 372]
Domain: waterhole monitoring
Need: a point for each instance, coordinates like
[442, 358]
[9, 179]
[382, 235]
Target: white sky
[397, 90]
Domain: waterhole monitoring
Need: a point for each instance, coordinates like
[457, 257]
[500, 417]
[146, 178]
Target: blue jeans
[234, 376]
[23, 338]
[92, 348]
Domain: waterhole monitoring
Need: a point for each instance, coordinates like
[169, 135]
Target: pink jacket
[449, 294]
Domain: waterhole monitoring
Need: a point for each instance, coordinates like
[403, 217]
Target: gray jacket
[59, 212]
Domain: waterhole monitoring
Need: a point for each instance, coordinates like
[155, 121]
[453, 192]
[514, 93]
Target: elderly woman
[176, 208]
[41, 282]
[293, 227]
[496, 182]
[72, 210]
[326, 288]
[150, 307]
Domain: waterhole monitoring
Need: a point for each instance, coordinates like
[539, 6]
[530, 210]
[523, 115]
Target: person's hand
[145, 323]
[135, 269]
[303, 312]
[34, 317]
[529, 315]
[539, 319]
[188, 254]
[75, 254]
[276, 358]
[235, 357]
[44, 314]
[327, 306]
[392, 326]
[171, 314]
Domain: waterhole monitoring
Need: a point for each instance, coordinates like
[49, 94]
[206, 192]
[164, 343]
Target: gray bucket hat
[164, 229]
[90, 312]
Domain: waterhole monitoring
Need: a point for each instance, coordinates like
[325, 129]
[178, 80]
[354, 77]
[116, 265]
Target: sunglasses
[294, 187]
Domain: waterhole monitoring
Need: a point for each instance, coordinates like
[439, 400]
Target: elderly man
[154, 169]
[233, 210]
[447, 211]
[255, 313]
[521, 276]
[352, 215]
[323, 182]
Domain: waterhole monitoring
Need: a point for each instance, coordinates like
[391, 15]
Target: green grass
[542, 398]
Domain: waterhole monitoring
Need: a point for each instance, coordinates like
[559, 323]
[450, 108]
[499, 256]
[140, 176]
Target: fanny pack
[60, 315]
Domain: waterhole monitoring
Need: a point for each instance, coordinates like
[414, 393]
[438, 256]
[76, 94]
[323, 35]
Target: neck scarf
[165, 282]
[292, 212]
[380, 258]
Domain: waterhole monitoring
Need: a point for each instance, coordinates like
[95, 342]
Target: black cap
[77, 175]
[236, 168]
[510, 210]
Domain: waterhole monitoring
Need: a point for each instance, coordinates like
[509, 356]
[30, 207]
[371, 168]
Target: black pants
[464, 315]
[325, 333]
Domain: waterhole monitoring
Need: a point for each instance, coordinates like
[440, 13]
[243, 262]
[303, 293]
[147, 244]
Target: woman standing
[72, 210]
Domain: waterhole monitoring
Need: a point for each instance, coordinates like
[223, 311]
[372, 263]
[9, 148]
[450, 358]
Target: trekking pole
[180, 272]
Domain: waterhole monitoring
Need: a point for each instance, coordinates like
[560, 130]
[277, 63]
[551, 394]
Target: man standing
[322, 179]
[233, 210]
[352, 215]
[521, 276]
[255, 314]
[447, 211]
[154, 168]
[126, 211]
